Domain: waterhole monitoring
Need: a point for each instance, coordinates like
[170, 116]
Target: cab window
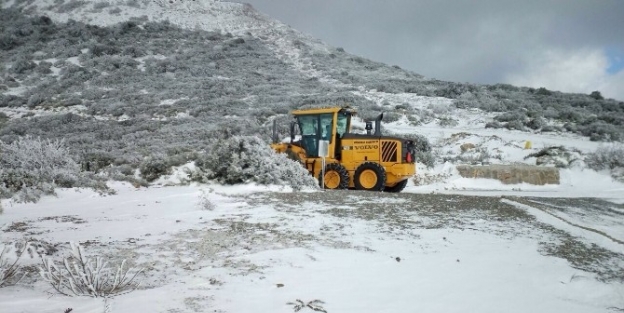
[326, 121]
[343, 121]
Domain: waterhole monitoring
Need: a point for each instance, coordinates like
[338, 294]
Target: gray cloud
[467, 41]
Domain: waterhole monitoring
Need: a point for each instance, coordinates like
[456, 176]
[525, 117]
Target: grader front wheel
[336, 177]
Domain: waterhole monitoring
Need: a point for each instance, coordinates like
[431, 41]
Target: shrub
[596, 95]
[242, 159]
[35, 100]
[494, 125]
[424, 153]
[390, 117]
[446, 121]
[153, 167]
[511, 116]
[40, 158]
[548, 128]
[100, 5]
[426, 158]
[8, 41]
[480, 155]
[404, 106]
[558, 156]
[70, 6]
[517, 125]
[535, 123]
[96, 161]
[601, 131]
[82, 276]
[3, 119]
[22, 66]
[606, 157]
[543, 92]
[31, 167]
[114, 11]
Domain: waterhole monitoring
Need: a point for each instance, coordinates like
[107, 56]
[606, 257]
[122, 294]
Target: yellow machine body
[368, 161]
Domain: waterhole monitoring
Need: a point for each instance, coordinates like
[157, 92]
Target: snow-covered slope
[211, 15]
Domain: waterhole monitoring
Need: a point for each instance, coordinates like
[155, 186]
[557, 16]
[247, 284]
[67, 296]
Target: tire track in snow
[547, 217]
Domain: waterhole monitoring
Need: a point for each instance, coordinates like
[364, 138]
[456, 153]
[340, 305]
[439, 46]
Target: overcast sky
[566, 45]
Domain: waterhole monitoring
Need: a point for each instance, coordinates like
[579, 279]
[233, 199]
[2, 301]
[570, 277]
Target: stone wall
[512, 174]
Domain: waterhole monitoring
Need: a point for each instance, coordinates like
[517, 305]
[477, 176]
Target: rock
[467, 146]
[513, 174]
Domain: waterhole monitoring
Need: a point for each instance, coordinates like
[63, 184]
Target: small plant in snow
[315, 305]
[205, 203]
[9, 269]
[80, 275]
[447, 121]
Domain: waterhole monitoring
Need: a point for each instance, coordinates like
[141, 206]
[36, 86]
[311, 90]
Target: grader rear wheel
[398, 187]
[370, 176]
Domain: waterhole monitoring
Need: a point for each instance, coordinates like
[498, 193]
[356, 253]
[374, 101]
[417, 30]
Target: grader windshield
[320, 126]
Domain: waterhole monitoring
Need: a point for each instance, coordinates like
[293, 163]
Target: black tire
[397, 188]
[336, 177]
[370, 176]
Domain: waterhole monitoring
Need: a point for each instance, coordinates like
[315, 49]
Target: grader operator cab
[368, 161]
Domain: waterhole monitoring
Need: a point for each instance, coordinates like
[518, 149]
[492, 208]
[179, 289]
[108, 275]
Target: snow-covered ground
[211, 248]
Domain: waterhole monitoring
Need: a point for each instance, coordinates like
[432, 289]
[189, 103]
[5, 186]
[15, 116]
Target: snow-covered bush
[32, 162]
[424, 154]
[609, 157]
[536, 123]
[558, 156]
[493, 124]
[80, 275]
[153, 167]
[22, 66]
[514, 125]
[31, 167]
[241, 159]
[511, 116]
[100, 5]
[447, 121]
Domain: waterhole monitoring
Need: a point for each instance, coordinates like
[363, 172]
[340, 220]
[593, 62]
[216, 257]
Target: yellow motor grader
[368, 161]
